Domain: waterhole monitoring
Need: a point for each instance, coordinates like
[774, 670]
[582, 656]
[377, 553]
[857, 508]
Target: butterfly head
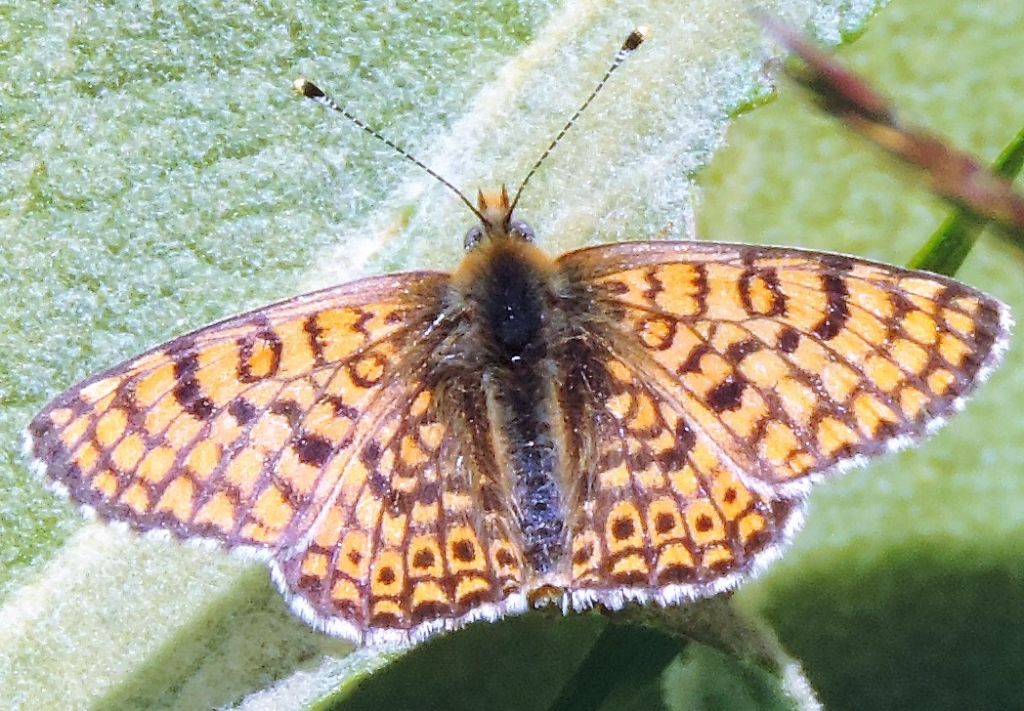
[496, 221]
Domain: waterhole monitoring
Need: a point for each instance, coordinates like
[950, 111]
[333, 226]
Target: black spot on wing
[313, 450]
[187, 390]
[837, 310]
[727, 395]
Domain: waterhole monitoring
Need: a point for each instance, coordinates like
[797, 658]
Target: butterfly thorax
[507, 282]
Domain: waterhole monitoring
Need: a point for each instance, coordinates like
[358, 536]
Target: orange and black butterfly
[630, 422]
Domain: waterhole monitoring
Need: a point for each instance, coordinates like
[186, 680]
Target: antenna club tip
[636, 38]
[304, 87]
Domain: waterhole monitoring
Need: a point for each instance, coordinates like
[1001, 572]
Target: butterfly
[637, 421]
[412, 452]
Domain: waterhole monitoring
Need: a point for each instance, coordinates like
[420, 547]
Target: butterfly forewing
[234, 432]
[793, 363]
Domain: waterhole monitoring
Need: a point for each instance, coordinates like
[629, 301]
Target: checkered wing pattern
[301, 432]
[408, 544]
[232, 431]
[792, 364]
[660, 514]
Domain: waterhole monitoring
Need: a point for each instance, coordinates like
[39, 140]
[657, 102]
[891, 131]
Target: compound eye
[473, 237]
[522, 230]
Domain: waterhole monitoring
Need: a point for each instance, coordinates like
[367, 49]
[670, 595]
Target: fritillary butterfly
[629, 422]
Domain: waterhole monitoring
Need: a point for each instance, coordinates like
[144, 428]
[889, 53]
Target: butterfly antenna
[635, 39]
[311, 91]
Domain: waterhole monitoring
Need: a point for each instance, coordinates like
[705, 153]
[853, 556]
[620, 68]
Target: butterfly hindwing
[659, 514]
[406, 545]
